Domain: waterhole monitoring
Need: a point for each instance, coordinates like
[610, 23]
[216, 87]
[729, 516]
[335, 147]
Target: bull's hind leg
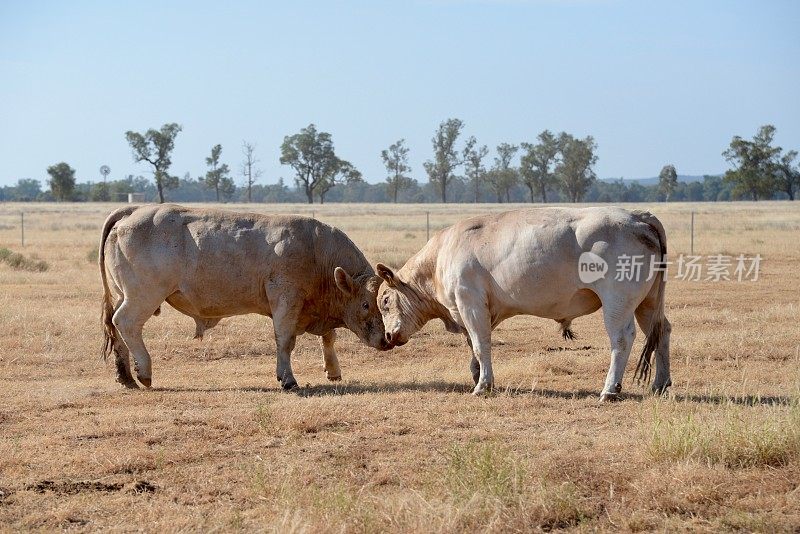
[122, 359]
[645, 314]
[332, 370]
[201, 325]
[129, 320]
[621, 331]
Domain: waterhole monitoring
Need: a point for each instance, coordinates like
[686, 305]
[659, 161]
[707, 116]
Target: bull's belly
[547, 297]
[215, 304]
[567, 306]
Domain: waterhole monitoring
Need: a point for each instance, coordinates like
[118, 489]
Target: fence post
[691, 242]
[22, 226]
[427, 226]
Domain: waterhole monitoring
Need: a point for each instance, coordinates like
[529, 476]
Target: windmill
[105, 170]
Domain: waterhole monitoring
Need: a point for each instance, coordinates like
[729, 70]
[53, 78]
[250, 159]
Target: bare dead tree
[250, 173]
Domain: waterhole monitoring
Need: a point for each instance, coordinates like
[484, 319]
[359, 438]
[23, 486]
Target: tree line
[553, 168]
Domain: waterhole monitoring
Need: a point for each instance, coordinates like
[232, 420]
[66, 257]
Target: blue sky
[653, 82]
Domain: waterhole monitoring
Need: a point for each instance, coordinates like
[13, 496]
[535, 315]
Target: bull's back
[528, 260]
[215, 262]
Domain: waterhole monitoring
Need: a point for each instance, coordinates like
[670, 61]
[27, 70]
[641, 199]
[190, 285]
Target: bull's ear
[387, 274]
[344, 282]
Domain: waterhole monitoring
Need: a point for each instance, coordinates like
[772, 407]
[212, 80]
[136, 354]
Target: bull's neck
[349, 258]
[419, 274]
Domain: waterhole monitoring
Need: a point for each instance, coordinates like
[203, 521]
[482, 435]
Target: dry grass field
[400, 444]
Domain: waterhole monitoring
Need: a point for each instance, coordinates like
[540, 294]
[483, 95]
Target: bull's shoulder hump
[239, 218]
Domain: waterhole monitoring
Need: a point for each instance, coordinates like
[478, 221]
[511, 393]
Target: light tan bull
[486, 269]
[209, 264]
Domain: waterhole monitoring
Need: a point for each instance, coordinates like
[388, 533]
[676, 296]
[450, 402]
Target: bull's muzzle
[393, 339]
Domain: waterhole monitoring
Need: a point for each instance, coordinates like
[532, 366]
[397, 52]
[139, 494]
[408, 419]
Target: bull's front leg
[477, 321]
[284, 319]
[332, 370]
[482, 341]
[283, 370]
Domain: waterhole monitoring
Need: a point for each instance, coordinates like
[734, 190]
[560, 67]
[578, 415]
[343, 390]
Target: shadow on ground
[440, 386]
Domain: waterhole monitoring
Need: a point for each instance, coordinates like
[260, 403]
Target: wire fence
[19, 220]
[691, 229]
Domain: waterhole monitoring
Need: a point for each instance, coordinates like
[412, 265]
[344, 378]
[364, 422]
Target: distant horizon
[653, 83]
[80, 180]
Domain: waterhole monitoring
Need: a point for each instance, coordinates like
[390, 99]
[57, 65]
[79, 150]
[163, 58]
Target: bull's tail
[656, 331]
[110, 334]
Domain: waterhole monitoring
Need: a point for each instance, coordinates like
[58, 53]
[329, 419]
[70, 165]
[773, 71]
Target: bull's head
[360, 313]
[400, 306]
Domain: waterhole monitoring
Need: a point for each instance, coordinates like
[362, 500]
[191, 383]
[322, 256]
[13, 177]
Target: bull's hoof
[289, 385]
[146, 382]
[482, 390]
[336, 378]
[608, 396]
[127, 382]
[661, 389]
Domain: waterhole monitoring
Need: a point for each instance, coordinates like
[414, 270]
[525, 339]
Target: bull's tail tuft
[656, 330]
[110, 334]
[566, 330]
[109, 331]
[645, 364]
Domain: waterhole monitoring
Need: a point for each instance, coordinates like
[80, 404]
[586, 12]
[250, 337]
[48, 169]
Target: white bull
[547, 262]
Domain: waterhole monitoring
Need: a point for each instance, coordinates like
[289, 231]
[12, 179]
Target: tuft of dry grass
[484, 471]
[19, 262]
[733, 438]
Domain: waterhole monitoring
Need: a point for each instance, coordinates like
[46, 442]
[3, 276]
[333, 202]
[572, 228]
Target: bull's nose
[389, 337]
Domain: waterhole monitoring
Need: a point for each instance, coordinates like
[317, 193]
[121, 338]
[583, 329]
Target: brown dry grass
[400, 445]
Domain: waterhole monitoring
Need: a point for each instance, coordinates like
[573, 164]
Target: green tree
[473, 165]
[395, 159]
[445, 156]
[575, 171]
[61, 181]
[336, 173]
[667, 181]
[537, 165]
[100, 192]
[27, 189]
[788, 176]
[310, 153]
[155, 147]
[503, 175]
[227, 188]
[119, 189]
[217, 176]
[712, 187]
[754, 164]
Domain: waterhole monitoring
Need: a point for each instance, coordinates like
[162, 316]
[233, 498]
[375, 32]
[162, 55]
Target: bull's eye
[386, 300]
[365, 305]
